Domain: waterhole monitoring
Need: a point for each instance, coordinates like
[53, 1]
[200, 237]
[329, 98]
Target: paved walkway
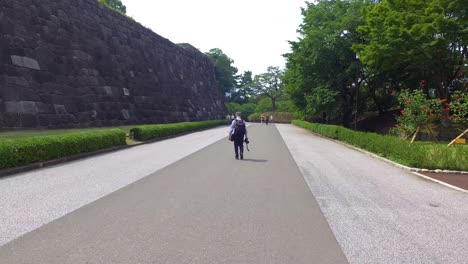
[379, 213]
[205, 208]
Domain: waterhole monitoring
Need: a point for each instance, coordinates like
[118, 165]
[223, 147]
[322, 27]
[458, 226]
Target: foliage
[414, 40]
[285, 106]
[278, 117]
[148, 132]
[418, 110]
[270, 84]
[323, 59]
[244, 88]
[116, 5]
[422, 155]
[264, 105]
[23, 151]
[320, 99]
[245, 109]
[357, 52]
[459, 106]
[224, 70]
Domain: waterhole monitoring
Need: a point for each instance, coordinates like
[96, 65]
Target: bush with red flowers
[418, 110]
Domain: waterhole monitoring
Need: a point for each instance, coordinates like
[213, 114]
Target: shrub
[421, 155]
[23, 151]
[147, 132]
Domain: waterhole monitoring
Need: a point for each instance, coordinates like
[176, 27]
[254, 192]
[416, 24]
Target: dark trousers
[239, 146]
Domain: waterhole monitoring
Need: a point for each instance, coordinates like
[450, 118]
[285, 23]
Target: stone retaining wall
[76, 63]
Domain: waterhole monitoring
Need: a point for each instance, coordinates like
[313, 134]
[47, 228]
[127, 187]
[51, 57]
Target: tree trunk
[273, 104]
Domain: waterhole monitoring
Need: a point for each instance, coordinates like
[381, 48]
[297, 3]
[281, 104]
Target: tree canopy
[353, 55]
[115, 4]
[225, 71]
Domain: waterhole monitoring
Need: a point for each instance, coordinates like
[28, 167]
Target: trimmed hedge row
[23, 151]
[148, 132]
[418, 154]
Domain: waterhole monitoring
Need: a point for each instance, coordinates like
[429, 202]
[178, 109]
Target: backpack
[239, 130]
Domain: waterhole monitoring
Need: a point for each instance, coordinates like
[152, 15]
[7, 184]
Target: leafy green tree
[323, 59]
[115, 4]
[320, 102]
[263, 105]
[285, 106]
[224, 69]
[243, 89]
[414, 40]
[270, 84]
[246, 109]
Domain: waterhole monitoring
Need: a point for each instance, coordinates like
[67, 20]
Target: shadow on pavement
[255, 160]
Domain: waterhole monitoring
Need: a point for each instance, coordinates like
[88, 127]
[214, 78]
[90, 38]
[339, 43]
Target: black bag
[239, 130]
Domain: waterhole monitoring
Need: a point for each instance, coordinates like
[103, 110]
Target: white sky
[254, 33]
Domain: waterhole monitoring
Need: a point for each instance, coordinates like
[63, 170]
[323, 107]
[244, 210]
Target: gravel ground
[30, 200]
[379, 213]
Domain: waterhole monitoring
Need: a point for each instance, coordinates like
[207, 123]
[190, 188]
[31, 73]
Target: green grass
[419, 154]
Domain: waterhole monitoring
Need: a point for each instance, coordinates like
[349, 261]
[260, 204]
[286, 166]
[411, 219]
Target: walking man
[236, 134]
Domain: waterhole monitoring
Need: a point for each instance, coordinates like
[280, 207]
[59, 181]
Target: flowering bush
[459, 107]
[418, 110]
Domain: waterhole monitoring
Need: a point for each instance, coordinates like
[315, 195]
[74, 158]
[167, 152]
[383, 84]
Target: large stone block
[22, 107]
[25, 62]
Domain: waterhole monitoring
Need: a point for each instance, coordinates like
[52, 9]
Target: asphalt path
[380, 213]
[205, 208]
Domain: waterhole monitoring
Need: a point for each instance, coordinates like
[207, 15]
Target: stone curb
[49, 163]
[414, 171]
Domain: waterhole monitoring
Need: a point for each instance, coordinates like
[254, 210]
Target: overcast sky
[254, 33]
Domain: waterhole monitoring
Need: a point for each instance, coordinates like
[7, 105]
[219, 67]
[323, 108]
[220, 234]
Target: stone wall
[76, 63]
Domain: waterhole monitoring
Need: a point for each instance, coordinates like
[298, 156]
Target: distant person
[237, 134]
[266, 120]
[262, 118]
[271, 118]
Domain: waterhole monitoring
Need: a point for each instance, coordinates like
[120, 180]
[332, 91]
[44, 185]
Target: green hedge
[418, 154]
[147, 132]
[23, 151]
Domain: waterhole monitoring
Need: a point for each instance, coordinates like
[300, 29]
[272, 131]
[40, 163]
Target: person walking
[237, 133]
[266, 119]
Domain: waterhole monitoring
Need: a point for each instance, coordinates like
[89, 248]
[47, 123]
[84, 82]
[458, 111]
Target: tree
[115, 4]
[225, 72]
[270, 84]
[323, 59]
[242, 93]
[414, 40]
